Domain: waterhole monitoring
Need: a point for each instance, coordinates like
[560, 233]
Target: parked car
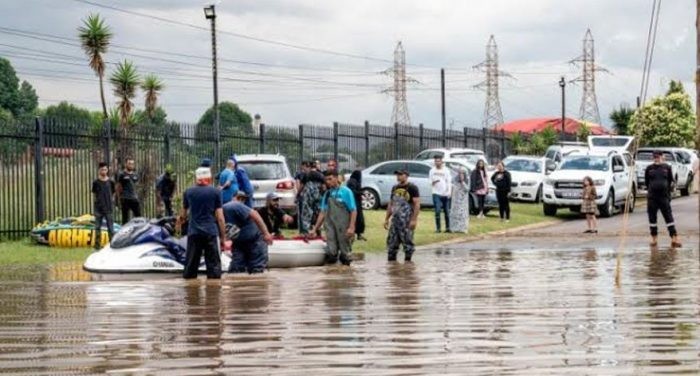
[269, 173]
[470, 155]
[610, 173]
[560, 150]
[377, 181]
[527, 177]
[346, 163]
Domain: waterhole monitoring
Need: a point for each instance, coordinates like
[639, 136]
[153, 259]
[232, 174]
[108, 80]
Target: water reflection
[453, 311]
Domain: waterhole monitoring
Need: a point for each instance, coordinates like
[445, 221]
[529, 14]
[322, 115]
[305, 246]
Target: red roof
[538, 124]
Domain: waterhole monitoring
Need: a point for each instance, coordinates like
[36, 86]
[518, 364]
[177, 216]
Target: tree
[666, 121]
[70, 113]
[675, 87]
[152, 87]
[621, 119]
[125, 80]
[233, 120]
[583, 132]
[518, 144]
[19, 100]
[94, 37]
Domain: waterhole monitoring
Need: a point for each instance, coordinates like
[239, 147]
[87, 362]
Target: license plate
[571, 194]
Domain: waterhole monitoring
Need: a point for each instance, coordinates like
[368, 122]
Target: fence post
[366, 143]
[301, 143]
[335, 141]
[40, 213]
[261, 146]
[484, 134]
[503, 144]
[166, 148]
[466, 137]
[107, 138]
[420, 137]
[396, 140]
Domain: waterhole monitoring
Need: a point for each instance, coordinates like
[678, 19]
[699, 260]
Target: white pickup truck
[608, 163]
[676, 158]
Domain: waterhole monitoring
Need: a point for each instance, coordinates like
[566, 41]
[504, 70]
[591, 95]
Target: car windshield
[469, 157]
[524, 165]
[648, 155]
[609, 141]
[265, 170]
[586, 163]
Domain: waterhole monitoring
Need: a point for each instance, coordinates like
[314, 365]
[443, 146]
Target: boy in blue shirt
[228, 184]
[339, 212]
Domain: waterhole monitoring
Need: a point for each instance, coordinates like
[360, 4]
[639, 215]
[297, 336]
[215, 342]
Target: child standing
[588, 206]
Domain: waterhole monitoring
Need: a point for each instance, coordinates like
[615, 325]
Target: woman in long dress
[459, 211]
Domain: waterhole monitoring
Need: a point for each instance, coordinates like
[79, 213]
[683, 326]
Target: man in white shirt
[442, 191]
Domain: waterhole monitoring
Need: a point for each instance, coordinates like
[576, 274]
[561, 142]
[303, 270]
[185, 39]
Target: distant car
[377, 181]
[560, 150]
[269, 173]
[527, 177]
[470, 155]
[346, 163]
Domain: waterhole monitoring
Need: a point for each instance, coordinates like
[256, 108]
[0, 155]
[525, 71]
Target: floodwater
[452, 312]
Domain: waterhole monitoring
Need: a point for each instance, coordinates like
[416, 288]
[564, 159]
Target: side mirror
[550, 166]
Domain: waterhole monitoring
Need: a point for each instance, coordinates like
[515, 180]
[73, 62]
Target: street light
[210, 14]
[562, 85]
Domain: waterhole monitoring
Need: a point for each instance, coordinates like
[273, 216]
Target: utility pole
[562, 85]
[589, 103]
[492, 110]
[697, 86]
[210, 14]
[442, 96]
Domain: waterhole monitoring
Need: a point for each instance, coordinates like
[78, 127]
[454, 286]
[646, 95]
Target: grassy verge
[24, 252]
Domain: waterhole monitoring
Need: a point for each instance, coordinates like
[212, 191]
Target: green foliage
[94, 38]
[583, 132]
[667, 120]
[20, 100]
[71, 113]
[621, 118]
[27, 100]
[125, 79]
[232, 120]
[518, 144]
[675, 87]
[537, 143]
[152, 86]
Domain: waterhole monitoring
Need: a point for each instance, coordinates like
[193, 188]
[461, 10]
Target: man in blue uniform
[249, 248]
[243, 182]
[339, 213]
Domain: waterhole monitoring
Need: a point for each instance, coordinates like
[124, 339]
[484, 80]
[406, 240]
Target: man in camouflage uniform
[402, 216]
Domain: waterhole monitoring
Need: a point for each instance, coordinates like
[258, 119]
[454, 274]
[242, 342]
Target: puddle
[452, 312]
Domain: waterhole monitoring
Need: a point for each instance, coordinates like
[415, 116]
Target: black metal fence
[46, 167]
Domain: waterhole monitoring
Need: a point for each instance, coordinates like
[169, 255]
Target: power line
[649, 53]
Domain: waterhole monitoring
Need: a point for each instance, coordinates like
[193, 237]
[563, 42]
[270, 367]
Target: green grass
[521, 214]
[24, 252]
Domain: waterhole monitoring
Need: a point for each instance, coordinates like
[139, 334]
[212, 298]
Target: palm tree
[94, 37]
[152, 87]
[125, 80]
[621, 119]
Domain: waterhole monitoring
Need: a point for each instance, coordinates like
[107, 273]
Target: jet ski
[148, 246]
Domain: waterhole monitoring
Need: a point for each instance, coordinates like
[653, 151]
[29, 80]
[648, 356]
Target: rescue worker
[339, 213]
[658, 179]
[243, 181]
[310, 198]
[203, 204]
[249, 247]
[402, 216]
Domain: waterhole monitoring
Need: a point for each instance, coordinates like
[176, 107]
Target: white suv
[611, 174]
[269, 173]
[472, 156]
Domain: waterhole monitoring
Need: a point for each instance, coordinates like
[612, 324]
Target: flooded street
[452, 312]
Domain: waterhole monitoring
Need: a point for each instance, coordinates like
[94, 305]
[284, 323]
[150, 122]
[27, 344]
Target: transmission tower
[400, 114]
[492, 111]
[589, 103]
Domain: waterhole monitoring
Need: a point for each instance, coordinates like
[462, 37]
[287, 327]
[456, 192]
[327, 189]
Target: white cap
[203, 175]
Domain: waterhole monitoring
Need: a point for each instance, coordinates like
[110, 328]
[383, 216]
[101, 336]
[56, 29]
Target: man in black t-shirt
[165, 189]
[658, 177]
[126, 191]
[273, 216]
[102, 191]
[402, 216]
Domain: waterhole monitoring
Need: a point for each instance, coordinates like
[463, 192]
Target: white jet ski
[143, 246]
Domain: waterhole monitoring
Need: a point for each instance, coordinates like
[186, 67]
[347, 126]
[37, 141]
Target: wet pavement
[455, 311]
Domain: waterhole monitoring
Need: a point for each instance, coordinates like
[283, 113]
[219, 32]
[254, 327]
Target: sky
[341, 72]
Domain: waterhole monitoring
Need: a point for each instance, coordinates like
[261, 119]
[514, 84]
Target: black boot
[391, 257]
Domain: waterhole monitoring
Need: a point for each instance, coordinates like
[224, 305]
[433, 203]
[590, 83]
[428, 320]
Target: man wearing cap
[249, 247]
[339, 213]
[272, 215]
[402, 216]
[243, 181]
[206, 220]
[658, 178]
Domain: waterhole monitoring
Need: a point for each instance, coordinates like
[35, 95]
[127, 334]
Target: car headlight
[599, 182]
[528, 183]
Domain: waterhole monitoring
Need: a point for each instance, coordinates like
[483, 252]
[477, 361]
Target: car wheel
[608, 207]
[549, 210]
[686, 191]
[370, 199]
[632, 199]
[538, 195]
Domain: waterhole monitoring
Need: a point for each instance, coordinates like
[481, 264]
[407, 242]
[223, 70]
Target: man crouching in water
[339, 212]
[249, 248]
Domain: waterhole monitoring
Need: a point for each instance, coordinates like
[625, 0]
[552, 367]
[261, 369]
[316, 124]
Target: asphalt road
[569, 233]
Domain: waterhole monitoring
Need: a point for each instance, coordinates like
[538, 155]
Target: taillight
[285, 185]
